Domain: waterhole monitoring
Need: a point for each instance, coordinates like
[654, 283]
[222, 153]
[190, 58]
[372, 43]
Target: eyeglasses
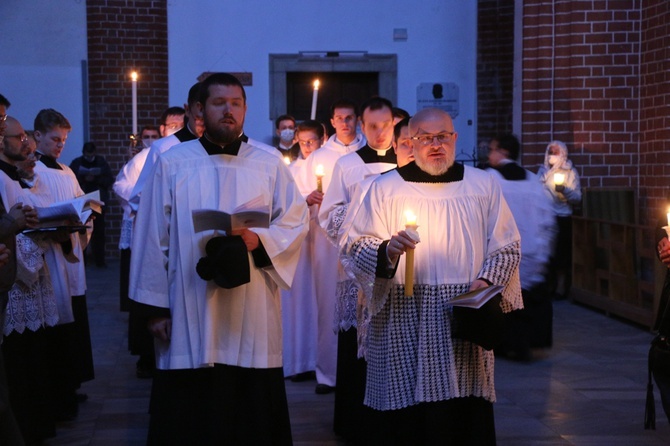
[3, 118]
[308, 143]
[428, 139]
[21, 137]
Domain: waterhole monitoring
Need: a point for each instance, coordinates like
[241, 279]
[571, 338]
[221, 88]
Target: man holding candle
[426, 386]
[561, 180]
[219, 377]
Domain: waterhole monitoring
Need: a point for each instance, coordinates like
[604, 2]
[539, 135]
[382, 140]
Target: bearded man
[218, 337]
[425, 384]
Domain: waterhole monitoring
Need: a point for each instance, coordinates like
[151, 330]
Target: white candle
[315, 95]
[559, 179]
[133, 77]
[410, 223]
[319, 177]
[287, 160]
[668, 215]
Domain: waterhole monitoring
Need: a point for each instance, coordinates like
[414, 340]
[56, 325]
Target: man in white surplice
[219, 350]
[422, 382]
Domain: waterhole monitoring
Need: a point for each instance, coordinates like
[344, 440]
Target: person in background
[93, 173]
[285, 130]
[531, 208]
[173, 119]
[299, 307]
[561, 180]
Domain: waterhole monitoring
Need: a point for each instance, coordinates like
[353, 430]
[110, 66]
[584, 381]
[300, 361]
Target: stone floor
[588, 390]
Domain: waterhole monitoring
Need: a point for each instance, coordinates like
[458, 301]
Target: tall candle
[410, 223]
[133, 77]
[315, 95]
[319, 177]
[668, 215]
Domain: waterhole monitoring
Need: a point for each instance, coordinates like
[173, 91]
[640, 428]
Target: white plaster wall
[238, 36]
[43, 43]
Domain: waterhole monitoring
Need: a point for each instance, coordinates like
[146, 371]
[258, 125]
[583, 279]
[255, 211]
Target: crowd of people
[244, 264]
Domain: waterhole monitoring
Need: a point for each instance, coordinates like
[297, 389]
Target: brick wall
[655, 107]
[124, 35]
[495, 68]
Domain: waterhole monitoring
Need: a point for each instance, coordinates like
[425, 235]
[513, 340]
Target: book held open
[476, 298]
[255, 213]
[75, 212]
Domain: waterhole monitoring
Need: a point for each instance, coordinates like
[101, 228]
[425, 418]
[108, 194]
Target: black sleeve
[260, 256]
[383, 270]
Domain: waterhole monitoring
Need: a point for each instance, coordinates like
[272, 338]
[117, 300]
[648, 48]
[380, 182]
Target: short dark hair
[4, 101]
[219, 79]
[172, 111]
[399, 126]
[311, 125]
[193, 94]
[89, 147]
[48, 118]
[510, 143]
[284, 118]
[376, 103]
[343, 103]
[400, 113]
[150, 127]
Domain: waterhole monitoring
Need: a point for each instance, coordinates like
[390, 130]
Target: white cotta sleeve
[149, 261]
[289, 224]
[334, 206]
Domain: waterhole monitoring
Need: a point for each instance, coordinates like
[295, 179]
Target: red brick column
[655, 107]
[124, 36]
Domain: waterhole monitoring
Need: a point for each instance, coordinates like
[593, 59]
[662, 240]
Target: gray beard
[435, 169]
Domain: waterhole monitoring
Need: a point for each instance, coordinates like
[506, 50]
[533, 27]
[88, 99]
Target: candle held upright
[315, 96]
[319, 173]
[410, 224]
[133, 77]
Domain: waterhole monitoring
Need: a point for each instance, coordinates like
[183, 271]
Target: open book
[255, 213]
[73, 212]
[476, 298]
[84, 171]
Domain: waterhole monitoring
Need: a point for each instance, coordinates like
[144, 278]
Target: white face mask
[554, 159]
[287, 134]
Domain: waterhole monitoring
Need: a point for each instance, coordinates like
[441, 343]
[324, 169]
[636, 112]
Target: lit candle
[133, 77]
[410, 223]
[315, 95]
[559, 179]
[287, 160]
[319, 177]
[668, 215]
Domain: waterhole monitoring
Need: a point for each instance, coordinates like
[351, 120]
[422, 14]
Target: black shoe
[323, 389]
[304, 376]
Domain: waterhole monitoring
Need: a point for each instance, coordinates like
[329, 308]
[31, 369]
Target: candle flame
[559, 178]
[133, 76]
[287, 160]
[410, 218]
[316, 84]
[319, 172]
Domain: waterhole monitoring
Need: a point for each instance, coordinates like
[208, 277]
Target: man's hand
[664, 251]
[161, 328]
[398, 245]
[477, 284]
[4, 254]
[31, 216]
[16, 212]
[315, 197]
[250, 238]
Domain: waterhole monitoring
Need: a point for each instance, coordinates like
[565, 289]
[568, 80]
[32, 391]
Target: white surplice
[467, 232]
[123, 187]
[239, 326]
[299, 307]
[68, 277]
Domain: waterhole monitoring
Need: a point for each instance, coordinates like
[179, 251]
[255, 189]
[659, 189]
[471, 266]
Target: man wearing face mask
[93, 173]
[285, 129]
